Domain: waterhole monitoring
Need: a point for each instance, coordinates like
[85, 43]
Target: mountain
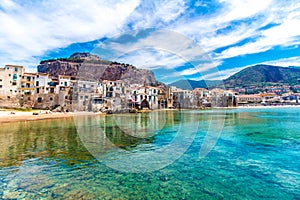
[257, 75]
[92, 67]
[264, 74]
[191, 84]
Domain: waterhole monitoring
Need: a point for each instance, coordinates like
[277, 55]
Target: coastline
[7, 116]
[11, 115]
[277, 106]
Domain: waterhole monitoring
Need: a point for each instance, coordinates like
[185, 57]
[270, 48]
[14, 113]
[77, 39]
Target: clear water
[256, 156]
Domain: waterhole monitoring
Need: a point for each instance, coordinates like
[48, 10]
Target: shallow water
[154, 156]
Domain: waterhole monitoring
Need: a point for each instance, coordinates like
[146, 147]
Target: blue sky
[197, 39]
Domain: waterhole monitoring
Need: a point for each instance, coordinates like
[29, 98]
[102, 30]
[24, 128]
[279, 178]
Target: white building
[10, 81]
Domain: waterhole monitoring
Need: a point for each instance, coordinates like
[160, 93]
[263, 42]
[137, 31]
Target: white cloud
[160, 48]
[221, 75]
[240, 9]
[285, 62]
[200, 68]
[31, 29]
[151, 59]
[156, 14]
[205, 29]
[285, 33]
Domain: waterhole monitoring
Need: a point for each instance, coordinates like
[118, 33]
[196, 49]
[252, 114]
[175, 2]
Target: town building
[10, 85]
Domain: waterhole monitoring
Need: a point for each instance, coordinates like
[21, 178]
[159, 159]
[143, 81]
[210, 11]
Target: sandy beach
[7, 115]
[16, 116]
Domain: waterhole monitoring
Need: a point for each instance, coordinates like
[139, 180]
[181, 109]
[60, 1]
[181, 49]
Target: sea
[240, 153]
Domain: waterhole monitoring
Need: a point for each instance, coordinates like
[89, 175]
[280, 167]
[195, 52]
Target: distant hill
[264, 74]
[251, 76]
[191, 84]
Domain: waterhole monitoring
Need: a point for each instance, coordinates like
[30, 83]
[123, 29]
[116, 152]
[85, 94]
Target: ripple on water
[253, 159]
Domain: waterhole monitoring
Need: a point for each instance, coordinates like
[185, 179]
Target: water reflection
[135, 143]
[58, 139]
[40, 139]
[50, 160]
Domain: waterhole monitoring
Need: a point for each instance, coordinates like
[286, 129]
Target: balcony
[26, 81]
[25, 88]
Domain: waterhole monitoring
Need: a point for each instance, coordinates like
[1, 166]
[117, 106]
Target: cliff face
[91, 67]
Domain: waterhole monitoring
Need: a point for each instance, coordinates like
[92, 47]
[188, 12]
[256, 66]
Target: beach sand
[7, 115]
[16, 116]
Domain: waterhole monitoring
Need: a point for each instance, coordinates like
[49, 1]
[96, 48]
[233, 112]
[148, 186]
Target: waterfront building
[10, 85]
[10, 81]
[249, 98]
[223, 98]
[27, 90]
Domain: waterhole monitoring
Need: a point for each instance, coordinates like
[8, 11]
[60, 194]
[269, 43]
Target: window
[16, 69]
[28, 98]
[66, 97]
[14, 83]
[37, 83]
[0, 86]
[39, 100]
[9, 74]
[0, 80]
[51, 98]
[37, 90]
[15, 76]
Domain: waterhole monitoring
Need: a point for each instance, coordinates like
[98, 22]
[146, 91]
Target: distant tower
[145, 86]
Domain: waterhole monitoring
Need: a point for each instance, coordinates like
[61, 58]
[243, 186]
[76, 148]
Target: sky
[196, 39]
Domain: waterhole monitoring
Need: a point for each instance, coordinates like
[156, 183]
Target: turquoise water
[255, 156]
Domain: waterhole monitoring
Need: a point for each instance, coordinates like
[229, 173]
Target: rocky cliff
[92, 67]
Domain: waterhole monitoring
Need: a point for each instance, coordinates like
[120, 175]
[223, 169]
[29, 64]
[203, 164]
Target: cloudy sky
[195, 39]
